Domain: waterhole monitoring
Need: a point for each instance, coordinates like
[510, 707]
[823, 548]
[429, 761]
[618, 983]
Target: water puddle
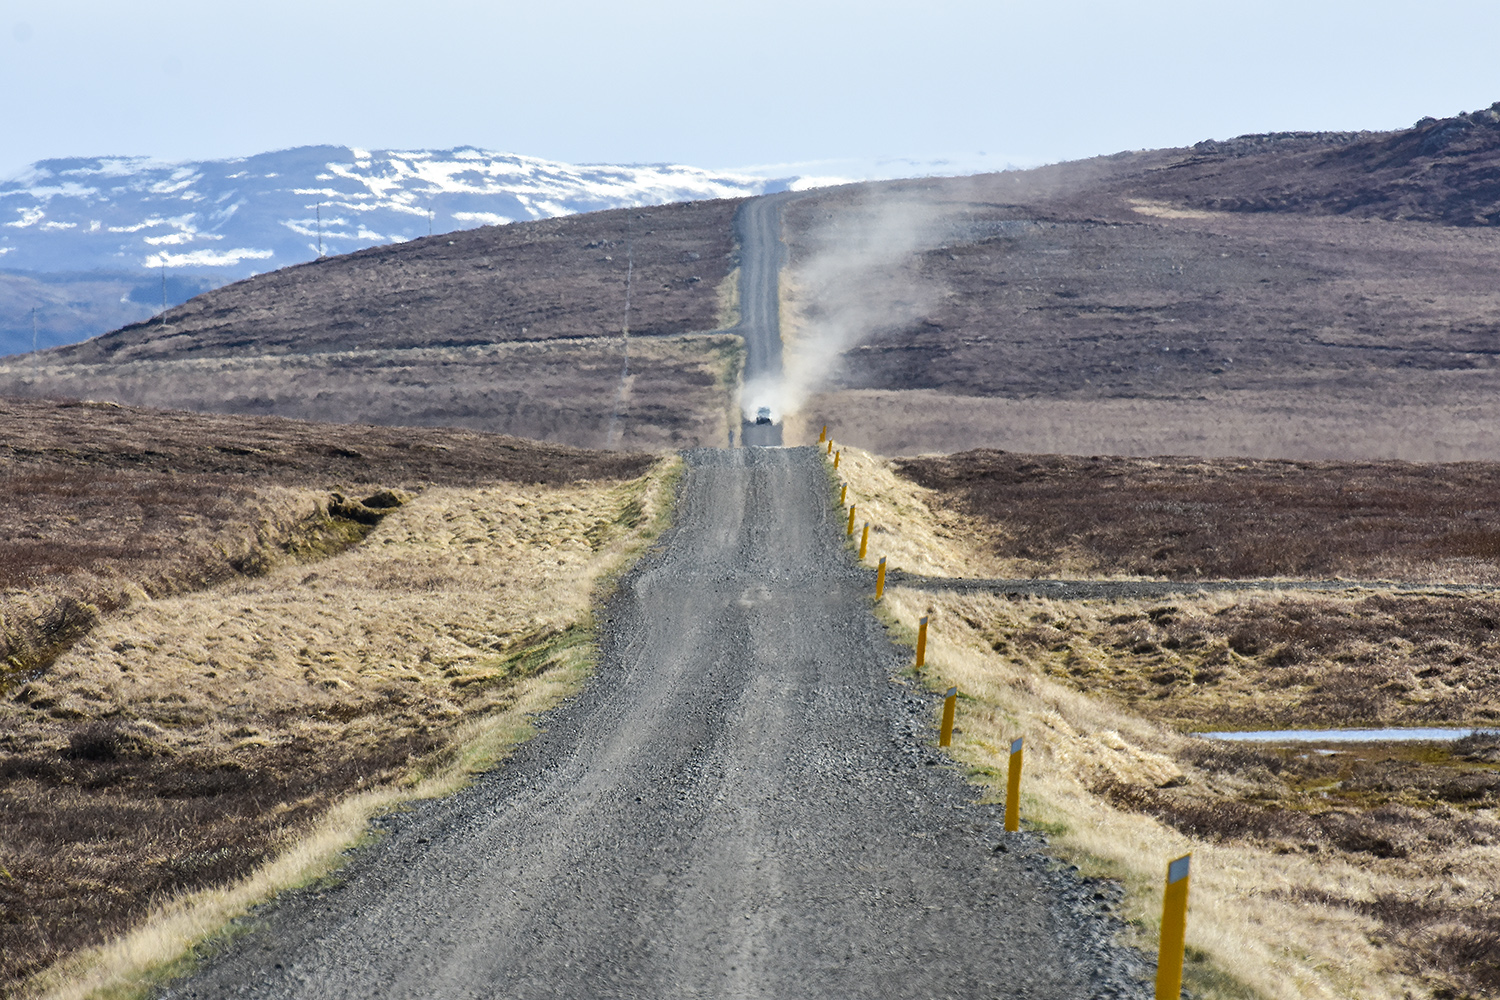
[1435, 735]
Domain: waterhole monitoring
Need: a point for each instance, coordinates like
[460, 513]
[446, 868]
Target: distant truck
[763, 415]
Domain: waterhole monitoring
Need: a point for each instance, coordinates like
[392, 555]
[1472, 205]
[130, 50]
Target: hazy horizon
[983, 85]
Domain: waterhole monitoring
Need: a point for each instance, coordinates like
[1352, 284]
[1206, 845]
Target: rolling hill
[93, 243]
[1306, 295]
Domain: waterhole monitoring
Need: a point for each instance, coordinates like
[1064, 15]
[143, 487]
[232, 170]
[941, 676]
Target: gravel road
[742, 803]
[757, 228]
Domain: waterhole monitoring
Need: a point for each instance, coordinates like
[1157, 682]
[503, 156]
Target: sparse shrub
[1481, 745]
[99, 741]
[1222, 757]
[1471, 952]
[1244, 643]
[1284, 656]
[1361, 841]
[106, 740]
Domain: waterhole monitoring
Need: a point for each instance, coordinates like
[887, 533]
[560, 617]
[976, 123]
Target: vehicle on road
[763, 415]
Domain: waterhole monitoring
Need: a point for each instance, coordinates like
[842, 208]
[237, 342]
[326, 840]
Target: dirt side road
[741, 804]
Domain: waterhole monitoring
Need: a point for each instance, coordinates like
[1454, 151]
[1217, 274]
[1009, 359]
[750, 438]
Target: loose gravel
[742, 803]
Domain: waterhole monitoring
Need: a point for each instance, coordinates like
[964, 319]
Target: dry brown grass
[557, 390]
[191, 739]
[910, 524]
[728, 297]
[99, 437]
[1365, 872]
[191, 699]
[560, 278]
[1053, 316]
[1295, 895]
[1184, 519]
[104, 505]
[1269, 660]
[1451, 419]
[1029, 291]
[77, 545]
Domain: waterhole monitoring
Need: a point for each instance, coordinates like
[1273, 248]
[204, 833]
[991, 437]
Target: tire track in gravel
[742, 803]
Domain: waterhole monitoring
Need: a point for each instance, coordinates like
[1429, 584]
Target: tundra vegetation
[1190, 519]
[1296, 295]
[1318, 297]
[1308, 296]
[513, 329]
[220, 632]
[1319, 870]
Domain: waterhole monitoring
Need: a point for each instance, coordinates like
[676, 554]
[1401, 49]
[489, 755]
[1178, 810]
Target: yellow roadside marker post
[836, 456]
[823, 434]
[843, 493]
[850, 533]
[950, 702]
[921, 642]
[880, 580]
[864, 542]
[1013, 789]
[830, 448]
[1173, 931]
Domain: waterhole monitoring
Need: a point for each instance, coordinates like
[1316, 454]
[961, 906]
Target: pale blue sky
[718, 85]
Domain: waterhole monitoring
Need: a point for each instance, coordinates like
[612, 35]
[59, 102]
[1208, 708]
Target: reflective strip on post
[1013, 789]
[1169, 955]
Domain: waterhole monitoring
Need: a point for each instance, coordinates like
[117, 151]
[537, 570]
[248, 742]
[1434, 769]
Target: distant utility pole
[319, 209]
[429, 220]
[629, 270]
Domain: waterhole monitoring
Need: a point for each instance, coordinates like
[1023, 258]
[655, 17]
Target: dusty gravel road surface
[757, 227]
[742, 803]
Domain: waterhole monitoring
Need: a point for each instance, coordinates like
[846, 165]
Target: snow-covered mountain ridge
[89, 244]
[228, 219]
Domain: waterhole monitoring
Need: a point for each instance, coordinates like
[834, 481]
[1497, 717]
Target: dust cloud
[859, 279]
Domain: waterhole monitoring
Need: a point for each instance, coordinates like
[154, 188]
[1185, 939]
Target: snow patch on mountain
[232, 218]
